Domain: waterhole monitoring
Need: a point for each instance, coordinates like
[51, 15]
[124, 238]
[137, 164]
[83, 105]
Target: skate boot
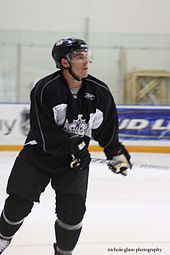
[4, 244]
[60, 252]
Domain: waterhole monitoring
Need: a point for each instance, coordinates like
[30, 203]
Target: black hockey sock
[8, 227]
[66, 236]
[12, 216]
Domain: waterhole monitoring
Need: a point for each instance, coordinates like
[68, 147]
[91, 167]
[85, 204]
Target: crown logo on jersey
[78, 126]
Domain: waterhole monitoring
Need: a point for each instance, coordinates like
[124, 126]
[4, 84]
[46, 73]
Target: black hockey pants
[25, 185]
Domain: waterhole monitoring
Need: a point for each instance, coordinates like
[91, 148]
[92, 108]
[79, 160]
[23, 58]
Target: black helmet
[65, 46]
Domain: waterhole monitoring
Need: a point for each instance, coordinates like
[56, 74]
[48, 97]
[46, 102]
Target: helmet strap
[75, 76]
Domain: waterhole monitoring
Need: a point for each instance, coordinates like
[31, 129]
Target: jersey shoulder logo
[89, 96]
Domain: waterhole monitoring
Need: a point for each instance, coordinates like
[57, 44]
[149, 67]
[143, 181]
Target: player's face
[79, 62]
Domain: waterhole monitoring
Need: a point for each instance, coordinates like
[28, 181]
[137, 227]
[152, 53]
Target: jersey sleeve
[107, 133]
[50, 137]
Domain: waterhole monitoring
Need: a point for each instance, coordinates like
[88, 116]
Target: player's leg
[70, 212]
[12, 217]
[24, 186]
[70, 209]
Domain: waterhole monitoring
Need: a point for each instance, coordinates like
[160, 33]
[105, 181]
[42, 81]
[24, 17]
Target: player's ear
[64, 63]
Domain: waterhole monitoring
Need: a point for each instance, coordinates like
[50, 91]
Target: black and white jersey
[56, 112]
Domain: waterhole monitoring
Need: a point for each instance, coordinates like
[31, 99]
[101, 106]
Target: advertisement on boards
[14, 123]
[144, 123]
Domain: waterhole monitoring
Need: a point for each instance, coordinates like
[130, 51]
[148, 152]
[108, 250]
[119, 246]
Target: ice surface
[125, 215]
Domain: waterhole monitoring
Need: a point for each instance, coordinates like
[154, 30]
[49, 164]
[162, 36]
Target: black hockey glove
[79, 153]
[120, 162]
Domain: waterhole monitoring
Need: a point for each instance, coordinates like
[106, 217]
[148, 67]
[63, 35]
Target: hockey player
[68, 107]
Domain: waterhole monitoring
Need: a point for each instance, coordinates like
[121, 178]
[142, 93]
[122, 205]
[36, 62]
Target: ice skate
[3, 244]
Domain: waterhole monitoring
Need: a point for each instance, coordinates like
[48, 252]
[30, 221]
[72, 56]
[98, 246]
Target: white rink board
[13, 124]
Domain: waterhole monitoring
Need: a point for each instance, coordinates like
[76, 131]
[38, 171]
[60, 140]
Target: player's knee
[71, 209]
[17, 208]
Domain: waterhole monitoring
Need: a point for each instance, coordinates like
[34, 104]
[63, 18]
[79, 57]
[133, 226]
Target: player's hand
[120, 164]
[118, 159]
[79, 153]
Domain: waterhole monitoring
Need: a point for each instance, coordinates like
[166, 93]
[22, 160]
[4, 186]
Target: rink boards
[142, 128]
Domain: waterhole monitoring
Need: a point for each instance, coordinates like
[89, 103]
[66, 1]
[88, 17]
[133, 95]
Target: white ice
[125, 215]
